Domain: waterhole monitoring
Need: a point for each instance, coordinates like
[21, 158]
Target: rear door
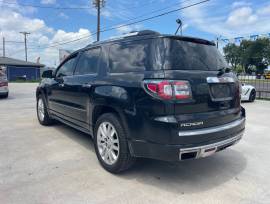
[215, 94]
[83, 81]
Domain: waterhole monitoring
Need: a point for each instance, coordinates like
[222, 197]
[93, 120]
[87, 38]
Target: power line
[140, 5]
[44, 7]
[67, 8]
[121, 24]
[155, 11]
[131, 19]
[128, 24]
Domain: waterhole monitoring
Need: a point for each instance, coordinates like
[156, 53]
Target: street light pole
[25, 43]
[179, 22]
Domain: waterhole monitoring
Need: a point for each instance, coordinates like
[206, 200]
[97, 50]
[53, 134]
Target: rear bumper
[232, 133]
[207, 150]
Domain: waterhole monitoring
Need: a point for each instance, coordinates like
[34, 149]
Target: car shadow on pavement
[189, 176]
[184, 177]
[80, 137]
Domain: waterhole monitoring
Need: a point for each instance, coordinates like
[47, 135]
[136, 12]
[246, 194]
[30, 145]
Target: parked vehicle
[3, 83]
[146, 95]
[266, 74]
[248, 93]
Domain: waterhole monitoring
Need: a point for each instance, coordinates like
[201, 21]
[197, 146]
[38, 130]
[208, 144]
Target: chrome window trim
[212, 129]
[220, 80]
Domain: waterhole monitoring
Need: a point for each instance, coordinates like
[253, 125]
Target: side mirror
[47, 74]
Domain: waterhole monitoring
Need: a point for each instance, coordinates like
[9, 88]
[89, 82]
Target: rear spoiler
[192, 39]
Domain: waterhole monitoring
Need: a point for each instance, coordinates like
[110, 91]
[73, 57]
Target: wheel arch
[102, 109]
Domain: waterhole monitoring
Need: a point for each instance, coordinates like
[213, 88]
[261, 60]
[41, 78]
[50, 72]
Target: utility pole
[25, 44]
[98, 4]
[218, 40]
[4, 47]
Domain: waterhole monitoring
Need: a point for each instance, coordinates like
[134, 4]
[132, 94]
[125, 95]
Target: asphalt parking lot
[58, 165]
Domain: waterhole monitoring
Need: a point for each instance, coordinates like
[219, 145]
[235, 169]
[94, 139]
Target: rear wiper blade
[224, 70]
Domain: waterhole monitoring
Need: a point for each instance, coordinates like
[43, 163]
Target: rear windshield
[184, 55]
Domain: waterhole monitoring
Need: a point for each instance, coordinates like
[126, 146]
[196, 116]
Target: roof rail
[130, 34]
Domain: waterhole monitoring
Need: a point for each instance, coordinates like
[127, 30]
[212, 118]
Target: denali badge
[191, 124]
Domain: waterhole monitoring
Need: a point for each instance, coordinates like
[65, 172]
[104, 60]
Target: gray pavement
[58, 165]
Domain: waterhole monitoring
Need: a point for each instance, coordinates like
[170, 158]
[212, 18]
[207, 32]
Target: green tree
[249, 54]
[232, 54]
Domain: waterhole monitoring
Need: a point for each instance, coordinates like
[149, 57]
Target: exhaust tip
[188, 155]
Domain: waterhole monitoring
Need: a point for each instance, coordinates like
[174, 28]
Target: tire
[252, 96]
[45, 119]
[112, 159]
[5, 95]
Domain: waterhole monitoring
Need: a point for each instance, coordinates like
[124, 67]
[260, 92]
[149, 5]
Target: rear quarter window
[88, 62]
[130, 56]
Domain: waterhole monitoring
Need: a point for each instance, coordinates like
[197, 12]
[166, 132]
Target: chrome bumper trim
[201, 151]
[212, 129]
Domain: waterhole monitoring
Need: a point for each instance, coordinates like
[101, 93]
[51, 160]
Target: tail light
[5, 83]
[168, 89]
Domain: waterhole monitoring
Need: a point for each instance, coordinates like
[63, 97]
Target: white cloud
[127, 29]
[48, 1]
[237, 4]
[63, 15]
[239, 18]
[265, 11]
[42, 36]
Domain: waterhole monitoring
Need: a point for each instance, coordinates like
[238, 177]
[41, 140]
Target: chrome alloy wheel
[108, 143]
[40, 107]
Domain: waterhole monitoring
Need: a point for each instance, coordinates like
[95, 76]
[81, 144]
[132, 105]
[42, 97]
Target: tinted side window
[67, 68]
[88, 62]
[129, 57]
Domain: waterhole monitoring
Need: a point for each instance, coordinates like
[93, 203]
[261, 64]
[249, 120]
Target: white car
[248, 93]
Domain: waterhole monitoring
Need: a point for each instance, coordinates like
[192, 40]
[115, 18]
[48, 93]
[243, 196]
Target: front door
[60, 97]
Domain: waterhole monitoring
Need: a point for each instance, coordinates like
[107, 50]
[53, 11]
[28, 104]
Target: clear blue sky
[226, 18]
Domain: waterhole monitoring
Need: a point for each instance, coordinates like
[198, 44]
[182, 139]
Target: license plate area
[221, 88]
[221, 91]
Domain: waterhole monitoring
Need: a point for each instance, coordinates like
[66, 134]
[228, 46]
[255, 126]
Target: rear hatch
[215, 96]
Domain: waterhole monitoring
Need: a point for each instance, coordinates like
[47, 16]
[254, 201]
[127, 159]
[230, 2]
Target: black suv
[146, 95]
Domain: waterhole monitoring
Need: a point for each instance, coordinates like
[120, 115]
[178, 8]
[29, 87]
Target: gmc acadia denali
[147, 95]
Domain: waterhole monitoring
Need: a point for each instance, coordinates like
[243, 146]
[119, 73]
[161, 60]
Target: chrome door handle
[86, 85]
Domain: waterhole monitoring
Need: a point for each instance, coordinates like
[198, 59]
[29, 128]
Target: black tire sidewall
[47, 120]
[252, 96]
